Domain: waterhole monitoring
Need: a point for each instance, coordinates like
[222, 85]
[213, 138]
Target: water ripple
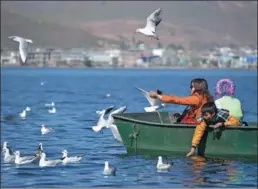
[78, 94]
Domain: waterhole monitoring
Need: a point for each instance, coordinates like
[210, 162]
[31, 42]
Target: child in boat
[225, 89]
[199, 96]
[211, 116]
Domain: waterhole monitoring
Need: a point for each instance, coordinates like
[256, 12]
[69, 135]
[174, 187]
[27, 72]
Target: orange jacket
[196, 101]
[200, 129]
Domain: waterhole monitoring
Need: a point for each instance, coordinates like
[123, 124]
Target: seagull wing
[27, 158]
[52, 162]
[119, 110]
[28, 40]
[153, 20]
[23, 49]
[108, 110]
[10, 151]
[101, 121]
[12, 37]
[152, 101]
[23, 53]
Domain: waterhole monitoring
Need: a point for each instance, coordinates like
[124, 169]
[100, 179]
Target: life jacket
[192, 113]
[189, 118]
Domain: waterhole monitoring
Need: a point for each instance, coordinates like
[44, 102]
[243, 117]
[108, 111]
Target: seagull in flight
[155, 103]
[102, 122]
[153, 21]
[109, 123]
[23, 44]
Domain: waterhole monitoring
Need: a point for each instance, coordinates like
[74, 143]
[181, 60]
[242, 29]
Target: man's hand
[153, 94]
[191, 152]
[218, 125]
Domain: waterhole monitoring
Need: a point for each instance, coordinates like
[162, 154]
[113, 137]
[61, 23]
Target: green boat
[144, 133]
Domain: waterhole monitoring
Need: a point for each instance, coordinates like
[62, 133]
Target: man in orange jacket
[211, 116]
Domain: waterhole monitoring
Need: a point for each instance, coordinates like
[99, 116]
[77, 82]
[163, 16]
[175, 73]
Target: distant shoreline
[127, 68]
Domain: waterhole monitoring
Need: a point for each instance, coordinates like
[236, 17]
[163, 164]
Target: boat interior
[163, 118]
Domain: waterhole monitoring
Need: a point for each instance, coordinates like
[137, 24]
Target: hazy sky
[235, 18]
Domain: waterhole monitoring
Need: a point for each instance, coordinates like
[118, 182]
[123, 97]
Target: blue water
[78, 93]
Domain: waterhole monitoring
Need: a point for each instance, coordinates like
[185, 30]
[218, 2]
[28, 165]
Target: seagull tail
[81, 155]
[96, 128]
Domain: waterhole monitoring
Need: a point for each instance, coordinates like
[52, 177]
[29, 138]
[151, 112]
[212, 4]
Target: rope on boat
[134, 136]
[160, 117]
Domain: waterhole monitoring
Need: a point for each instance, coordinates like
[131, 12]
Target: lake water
[78, 93]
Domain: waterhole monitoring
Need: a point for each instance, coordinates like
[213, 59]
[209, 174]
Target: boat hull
[146, 132]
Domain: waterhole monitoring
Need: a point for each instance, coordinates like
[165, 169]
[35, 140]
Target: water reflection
[212, 171]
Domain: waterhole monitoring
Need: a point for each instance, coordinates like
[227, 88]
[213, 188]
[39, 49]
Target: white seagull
[23, 160]
[44, 130]
[108, 170]
[23, 114]
[28, 109]
[110, 123]
[102, 122]
[47, 163]
[23, 43]
[153, 21]
[9, 156]
[52, 111]
[65, 159]
[161, 165]
[155, 103]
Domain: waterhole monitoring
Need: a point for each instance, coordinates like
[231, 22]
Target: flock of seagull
[10, 157]
[102, 123]
[153, 20]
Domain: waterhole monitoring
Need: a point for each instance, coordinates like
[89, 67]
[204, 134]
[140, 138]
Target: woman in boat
[211, 116]
[199, 96]
[225, 89]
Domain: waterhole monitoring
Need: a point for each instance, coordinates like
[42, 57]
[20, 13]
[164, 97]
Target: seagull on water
[47, 163]
[153, 21]
[108, 170]
[155, 103]
[44, 130]
[23, 114]
[23, 160]
[101, 122]
[52, 111]
[9, 156]
[65, 159]
[23, 43]
[162, 166]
